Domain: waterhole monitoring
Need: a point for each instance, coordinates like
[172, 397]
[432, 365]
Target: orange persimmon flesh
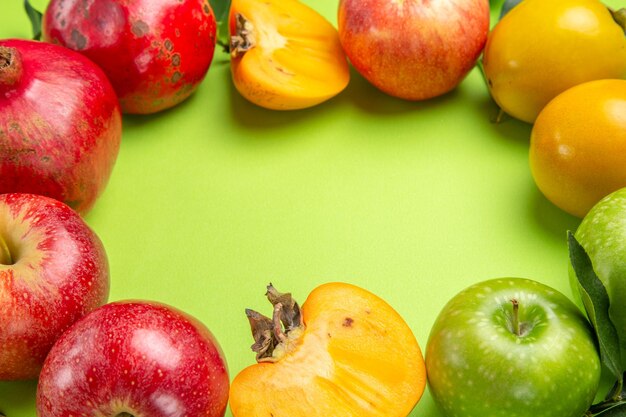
[355, 357]
[285, 55]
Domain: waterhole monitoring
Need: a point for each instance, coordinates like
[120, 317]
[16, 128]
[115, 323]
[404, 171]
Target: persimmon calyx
[276, 336]
[243, 40]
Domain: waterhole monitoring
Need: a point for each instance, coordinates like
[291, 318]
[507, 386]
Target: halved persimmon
[345, 353]
[285, 55]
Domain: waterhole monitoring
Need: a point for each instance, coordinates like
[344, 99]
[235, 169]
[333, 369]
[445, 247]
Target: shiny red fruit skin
[60, 273]
[60, 125]
[139, 357]
[413, 49]
[155, 52]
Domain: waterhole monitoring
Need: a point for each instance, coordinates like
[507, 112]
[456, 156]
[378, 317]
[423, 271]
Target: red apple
[155, 52]
[53, 271]
[413, 49]
[134, 358]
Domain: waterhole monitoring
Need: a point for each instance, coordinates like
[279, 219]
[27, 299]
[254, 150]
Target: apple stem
[515, 318]
[5, 257]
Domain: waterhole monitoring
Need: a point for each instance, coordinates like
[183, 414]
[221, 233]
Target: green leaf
[618, 392]
[221, 9]
[596, 301]
[507, 6]
[620, 17]
[35, 17]
[617, 410]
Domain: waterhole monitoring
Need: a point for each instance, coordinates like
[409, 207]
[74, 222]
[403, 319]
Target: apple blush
[53, 271]
[134, 358]
[413, 49]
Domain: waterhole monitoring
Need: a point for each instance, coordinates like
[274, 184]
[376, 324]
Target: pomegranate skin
[60, 123]
[155, 52]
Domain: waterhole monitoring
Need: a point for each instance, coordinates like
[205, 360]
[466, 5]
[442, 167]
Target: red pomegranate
[60, 123]
[155, 52]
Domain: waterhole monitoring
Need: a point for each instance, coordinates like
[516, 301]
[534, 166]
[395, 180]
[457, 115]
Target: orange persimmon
[345, 353]
[285, 55]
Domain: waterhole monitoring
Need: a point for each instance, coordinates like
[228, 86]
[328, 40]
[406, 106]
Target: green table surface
[414, 201]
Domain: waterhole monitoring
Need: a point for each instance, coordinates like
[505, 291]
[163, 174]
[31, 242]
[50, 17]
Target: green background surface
[414, 201]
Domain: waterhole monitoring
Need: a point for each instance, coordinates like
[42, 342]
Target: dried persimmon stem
[262, 332]
[244, 38]
[290, 315]
[272, 336]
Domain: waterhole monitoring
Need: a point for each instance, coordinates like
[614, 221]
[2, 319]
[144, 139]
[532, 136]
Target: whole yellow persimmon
[285, 55]
[541, 48]
[578, 145]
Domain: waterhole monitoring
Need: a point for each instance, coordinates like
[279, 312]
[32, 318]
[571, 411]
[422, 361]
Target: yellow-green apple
[413, 49]
[134, 358]
[602, 233]
[512, 347]
[53, 271]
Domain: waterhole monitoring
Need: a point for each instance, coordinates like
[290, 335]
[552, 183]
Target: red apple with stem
[134, 358]
[53, 271]
[413, 49]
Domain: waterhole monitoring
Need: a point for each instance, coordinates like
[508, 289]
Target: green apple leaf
[221, 9]
[618, 392]
[35, 17]
[507, 6]
[613, 406]
[613, 410]
[596, 301]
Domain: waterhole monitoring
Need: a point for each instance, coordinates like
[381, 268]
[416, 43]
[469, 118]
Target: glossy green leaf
[35, 17]
[615, 410]
[618, 392]
[507, 6]
[620, 17]
[221, 9]
[596, 301]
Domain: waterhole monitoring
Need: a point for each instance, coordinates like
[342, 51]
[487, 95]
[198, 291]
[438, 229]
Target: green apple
[512, 347]
[602, 234]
